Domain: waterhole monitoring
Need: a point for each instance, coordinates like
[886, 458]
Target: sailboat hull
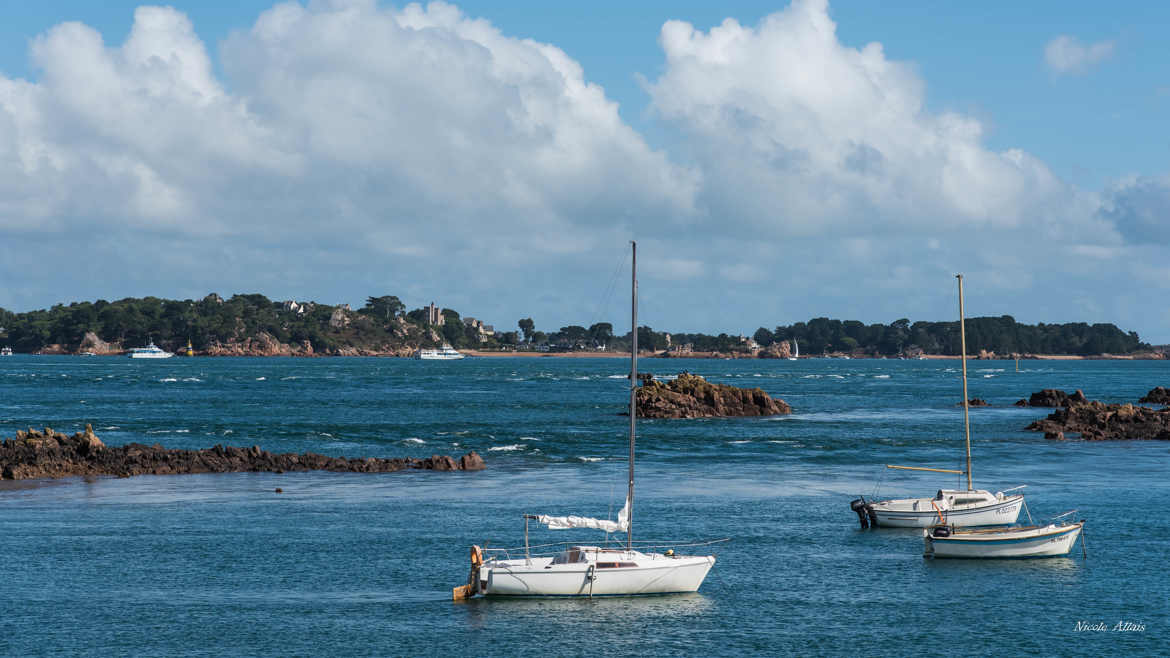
[1046, 541]
[919, 513]
[644, 575]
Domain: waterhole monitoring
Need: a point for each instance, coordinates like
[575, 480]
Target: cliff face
[691, 396]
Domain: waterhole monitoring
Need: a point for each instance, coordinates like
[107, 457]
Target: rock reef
[1052, 397]
[691, 396]
[49, 454]
[1097, 421]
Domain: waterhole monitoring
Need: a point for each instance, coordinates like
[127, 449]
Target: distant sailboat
[796, 350]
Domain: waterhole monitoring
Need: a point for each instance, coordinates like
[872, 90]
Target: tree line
[1002, 335]
[384, 323]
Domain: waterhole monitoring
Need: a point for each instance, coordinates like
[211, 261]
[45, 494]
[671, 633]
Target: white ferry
[151, 351]
[5, 351]
[444, 353]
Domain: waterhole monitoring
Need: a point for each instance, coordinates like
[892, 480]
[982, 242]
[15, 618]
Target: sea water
[343, 564]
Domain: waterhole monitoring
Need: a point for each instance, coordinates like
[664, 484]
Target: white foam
[529, 438]
[881, 376]
[260, 379]
[736, 442]
[590, 459]
[618, 377]
[413, 439]
[168, 379]
[514, 446]
[182, 431]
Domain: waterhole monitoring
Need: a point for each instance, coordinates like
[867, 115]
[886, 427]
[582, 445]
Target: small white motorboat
[1051, 540]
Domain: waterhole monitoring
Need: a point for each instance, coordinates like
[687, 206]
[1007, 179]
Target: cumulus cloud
[390, 125]
[798, 133]
[1140, 208]
[1066, 54]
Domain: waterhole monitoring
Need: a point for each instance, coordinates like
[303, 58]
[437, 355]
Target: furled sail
[566, 522]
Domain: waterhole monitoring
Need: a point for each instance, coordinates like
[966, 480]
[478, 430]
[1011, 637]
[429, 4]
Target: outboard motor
[865, 513]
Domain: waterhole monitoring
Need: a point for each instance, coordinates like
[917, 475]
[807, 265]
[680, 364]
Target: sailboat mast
[633, 388]
[963, 357]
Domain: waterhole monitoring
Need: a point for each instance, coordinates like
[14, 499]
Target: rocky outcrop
[92, 343]
[974, 402]
[1051, 397]
[691, 396]
[339, 319]
[778, 350]
[1097, 421]
[1157, 395]
[49, 454]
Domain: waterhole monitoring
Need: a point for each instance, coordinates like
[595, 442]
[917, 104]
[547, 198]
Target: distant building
[435, 315]
[293, 307]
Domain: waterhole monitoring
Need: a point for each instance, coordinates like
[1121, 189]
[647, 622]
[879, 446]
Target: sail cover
[566, 522]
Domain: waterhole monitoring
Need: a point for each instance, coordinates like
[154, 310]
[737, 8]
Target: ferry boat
[444, 353]
[151, 351]
[5, 351]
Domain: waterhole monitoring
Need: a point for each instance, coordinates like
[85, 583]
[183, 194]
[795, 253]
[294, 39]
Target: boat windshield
[571, 556]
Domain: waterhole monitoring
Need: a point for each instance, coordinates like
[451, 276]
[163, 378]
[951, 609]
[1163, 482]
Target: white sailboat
[973, 507]
[586, 571]
[796, 350]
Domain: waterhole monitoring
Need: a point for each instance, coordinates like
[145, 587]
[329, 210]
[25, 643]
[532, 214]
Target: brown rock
[1051, 397]
[974, 402]
[51, 454]
[691, 396]
[1097, 421]
[1157, 395]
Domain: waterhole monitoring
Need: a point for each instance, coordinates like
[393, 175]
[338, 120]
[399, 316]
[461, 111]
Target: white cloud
[1066, 54]
[342, 119]
[798, 134]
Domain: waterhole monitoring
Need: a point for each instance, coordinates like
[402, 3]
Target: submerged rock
[691, 396]
[974, 402]
[49, 454]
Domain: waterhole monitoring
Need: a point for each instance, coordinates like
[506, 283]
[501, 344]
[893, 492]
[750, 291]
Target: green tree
[528, 327]
[385, 308]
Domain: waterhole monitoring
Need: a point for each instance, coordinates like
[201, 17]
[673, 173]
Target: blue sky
[810, 159]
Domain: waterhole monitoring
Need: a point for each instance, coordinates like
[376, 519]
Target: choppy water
[364, 564]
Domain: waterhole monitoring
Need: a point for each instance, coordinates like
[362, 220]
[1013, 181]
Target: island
[49, 454]
[692, 396]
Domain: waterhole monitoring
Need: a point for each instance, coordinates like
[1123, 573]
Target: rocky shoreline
[691, 396]
[49, 454]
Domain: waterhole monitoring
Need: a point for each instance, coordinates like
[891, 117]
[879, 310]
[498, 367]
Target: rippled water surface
[364, 564]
